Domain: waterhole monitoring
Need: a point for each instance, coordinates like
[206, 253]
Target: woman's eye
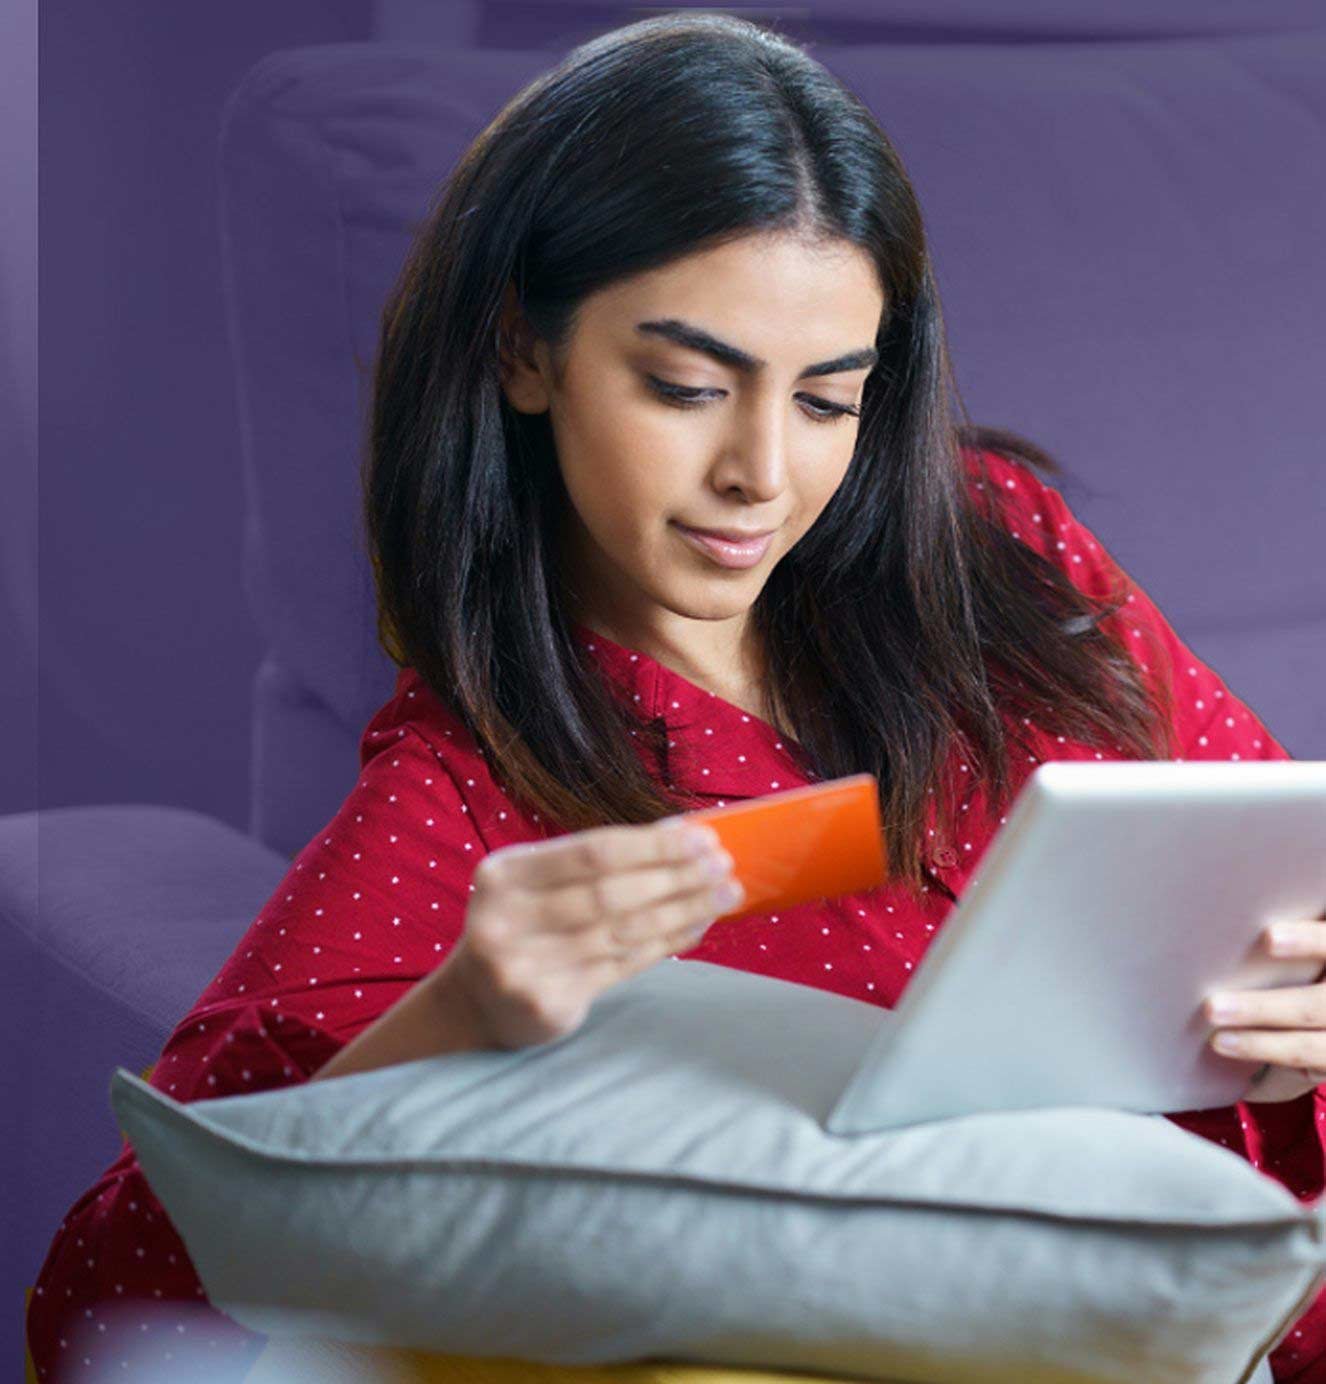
[682, 396]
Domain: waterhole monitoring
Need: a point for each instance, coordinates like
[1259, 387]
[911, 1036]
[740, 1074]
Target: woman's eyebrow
[697, 339]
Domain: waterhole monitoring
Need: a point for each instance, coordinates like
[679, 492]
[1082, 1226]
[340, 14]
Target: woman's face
[765, 446]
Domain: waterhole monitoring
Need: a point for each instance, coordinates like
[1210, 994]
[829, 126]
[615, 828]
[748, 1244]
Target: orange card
[805, 844]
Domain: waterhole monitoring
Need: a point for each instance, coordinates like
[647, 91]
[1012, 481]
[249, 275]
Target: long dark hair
[906, 622]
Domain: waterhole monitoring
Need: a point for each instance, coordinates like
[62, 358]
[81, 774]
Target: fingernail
[1284, 941]
[1224, 1007]
[1228, 1042]
[716, 865]
[730, 893]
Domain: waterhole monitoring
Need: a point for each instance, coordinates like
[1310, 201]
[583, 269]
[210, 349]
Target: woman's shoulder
[1034, 512]
[415, 712]
[1020, 499]
[417, 729]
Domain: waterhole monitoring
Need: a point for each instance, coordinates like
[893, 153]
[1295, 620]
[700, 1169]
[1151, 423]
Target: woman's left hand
[1284, 1027]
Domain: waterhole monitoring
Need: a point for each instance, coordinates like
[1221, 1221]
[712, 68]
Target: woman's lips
[726, 554]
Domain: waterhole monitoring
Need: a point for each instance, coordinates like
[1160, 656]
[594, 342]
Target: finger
[1299, 937]
[585, 855]
[624, 908]
[600, 957]
[1297, 1049]
[1287, 1006]
[677, 925]
[628, 900]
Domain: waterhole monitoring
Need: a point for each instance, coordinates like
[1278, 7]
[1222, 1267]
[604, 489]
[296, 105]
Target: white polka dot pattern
[377, 899]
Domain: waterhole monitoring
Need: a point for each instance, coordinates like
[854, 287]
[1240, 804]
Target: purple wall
[18, 401]
[147, 647]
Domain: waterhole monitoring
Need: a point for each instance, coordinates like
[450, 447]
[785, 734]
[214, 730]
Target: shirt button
[945, 857]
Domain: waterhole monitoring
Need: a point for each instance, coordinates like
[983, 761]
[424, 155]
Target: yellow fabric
[335, 1362]
[433, 1369]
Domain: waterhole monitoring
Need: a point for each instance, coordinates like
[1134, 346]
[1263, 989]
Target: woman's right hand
[553, 924]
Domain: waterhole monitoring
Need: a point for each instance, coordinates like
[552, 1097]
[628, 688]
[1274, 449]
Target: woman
[681, 282]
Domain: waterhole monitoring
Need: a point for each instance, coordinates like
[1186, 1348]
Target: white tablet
[1073, 969]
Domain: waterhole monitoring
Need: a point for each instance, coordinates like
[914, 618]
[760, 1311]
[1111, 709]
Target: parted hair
[905, 623]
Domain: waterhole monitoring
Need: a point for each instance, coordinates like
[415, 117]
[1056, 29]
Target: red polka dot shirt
[377, 898]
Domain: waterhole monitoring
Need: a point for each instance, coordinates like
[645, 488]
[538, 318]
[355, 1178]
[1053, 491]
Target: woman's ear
[523, 381]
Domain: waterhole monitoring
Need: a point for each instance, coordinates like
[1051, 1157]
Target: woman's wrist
[436, 1015]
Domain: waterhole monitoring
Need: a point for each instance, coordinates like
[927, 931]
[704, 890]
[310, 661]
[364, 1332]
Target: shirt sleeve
[368, 908]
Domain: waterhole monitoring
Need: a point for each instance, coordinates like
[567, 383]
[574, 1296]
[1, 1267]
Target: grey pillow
[659, 1184]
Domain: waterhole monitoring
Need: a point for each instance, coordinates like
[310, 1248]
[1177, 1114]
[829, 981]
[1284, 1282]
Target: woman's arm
[435, 1016]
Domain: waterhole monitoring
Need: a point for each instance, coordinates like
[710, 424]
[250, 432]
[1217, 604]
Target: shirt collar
[715, 748]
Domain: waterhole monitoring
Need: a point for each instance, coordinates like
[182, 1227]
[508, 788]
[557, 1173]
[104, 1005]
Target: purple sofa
[1129, 225]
